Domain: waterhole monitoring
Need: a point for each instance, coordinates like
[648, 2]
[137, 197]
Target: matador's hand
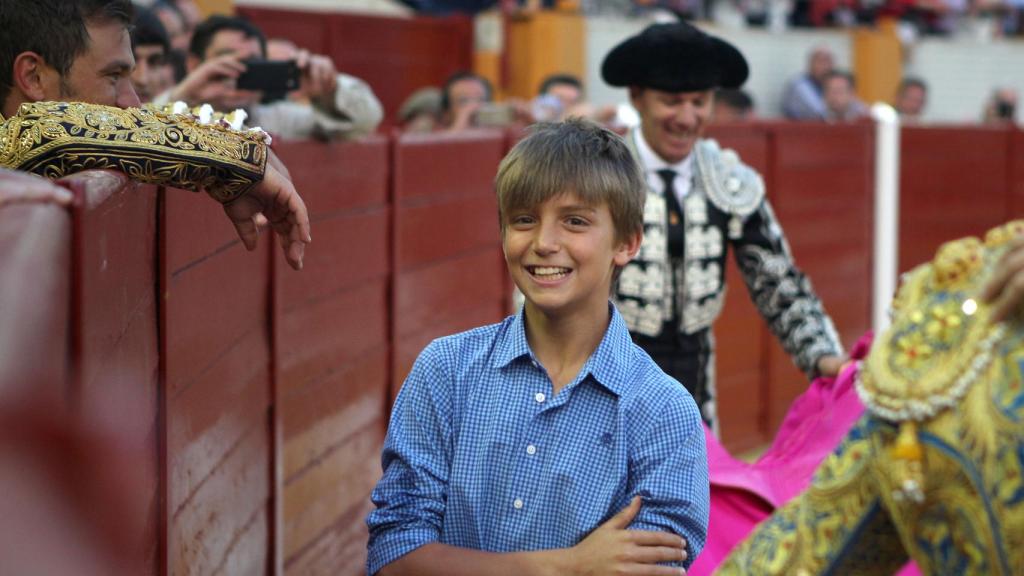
[276, 200]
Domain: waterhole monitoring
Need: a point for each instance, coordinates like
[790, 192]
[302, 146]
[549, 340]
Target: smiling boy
[547, 443]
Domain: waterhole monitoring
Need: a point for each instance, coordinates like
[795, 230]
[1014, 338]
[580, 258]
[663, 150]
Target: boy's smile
[562, 253]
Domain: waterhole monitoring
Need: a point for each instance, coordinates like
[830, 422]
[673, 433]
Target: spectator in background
[421, 111]
[153, 74]
[462, 96]
[911, 98]
[841, 102]
[1001, 109]
[804, 97]
[561, 96]
[732, 105]
[341, 105]
[179, 32]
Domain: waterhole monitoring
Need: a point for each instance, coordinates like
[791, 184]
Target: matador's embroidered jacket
[54, 139]
[726, 206]
[934, 471]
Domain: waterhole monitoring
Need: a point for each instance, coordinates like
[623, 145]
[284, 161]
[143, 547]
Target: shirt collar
[650, 160]
[608, 364]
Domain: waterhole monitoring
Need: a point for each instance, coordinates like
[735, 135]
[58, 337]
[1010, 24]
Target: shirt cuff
[391, 546]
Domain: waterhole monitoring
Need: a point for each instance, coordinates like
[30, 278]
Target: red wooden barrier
[1016, 174]
[953, 183]
[449, 272]
[396, 56]
[332, 355]
[822, 183]
[114, 353]
[35, 244]
[215, 353]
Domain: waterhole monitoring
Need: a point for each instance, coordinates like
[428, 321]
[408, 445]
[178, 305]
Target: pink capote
[742, 495]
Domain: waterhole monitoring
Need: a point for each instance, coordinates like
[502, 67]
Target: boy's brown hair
[573, 156]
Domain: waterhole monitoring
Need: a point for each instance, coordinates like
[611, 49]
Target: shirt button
[531, 449]
[540, 397]
[518, 504]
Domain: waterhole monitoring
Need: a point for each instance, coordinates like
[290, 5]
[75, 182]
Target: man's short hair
[556, 79]
[849, 77]
[148, 30]
[53, 29]
[575, 156]
[911, 82]
[446, 103]
[736, 99]
[207, 29]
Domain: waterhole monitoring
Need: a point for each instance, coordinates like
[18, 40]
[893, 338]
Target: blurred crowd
[183, 58]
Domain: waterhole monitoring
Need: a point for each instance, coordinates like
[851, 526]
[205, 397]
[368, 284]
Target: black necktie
[674, 230]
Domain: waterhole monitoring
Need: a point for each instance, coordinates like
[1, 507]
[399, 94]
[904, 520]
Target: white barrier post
[887, 212]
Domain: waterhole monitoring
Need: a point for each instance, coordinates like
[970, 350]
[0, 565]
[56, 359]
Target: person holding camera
[228, 70]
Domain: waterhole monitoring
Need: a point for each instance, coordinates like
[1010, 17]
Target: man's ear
[192, 62]
[29, 79]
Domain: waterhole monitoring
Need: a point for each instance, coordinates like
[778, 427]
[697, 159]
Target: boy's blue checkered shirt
[479, 455]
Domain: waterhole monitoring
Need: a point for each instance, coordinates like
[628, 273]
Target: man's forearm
[55, 139]
[443, 560]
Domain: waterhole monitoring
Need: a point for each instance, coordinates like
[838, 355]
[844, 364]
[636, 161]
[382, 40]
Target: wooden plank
[335, 176]
[216, 362]
[446, 165]
[113, 321]
[338, 551]
[350, 249]
[35, 294]
[324, 414]
[409, 346]
[339, 483]
[739, 368]
[213, 414]
[317, 339]
[1016, 154]
[952, 184]
[306, 29]
[430, 295]
[477, 227]
[212, 528]
[822, 195]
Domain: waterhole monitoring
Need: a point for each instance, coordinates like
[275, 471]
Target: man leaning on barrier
[68, 105]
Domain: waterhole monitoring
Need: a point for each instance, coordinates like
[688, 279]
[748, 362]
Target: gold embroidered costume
[933, 471]
[54, 139]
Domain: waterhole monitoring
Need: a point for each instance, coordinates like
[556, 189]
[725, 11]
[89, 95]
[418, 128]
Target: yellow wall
[877, 62]
[216, 7]
[544, 43]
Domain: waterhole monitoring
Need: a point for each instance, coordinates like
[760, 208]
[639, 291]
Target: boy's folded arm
[411, 497]
[669, 472]
[436, 559]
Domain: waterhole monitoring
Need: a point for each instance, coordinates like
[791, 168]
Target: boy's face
[562, 254]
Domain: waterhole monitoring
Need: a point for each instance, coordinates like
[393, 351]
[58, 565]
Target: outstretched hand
[613, 549]
[1005, 289]
[275, 200]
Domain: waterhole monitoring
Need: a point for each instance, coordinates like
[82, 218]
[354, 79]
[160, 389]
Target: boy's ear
[628, 248]
[29, 71]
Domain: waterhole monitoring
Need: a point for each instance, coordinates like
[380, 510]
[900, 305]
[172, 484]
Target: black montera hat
[675, 58]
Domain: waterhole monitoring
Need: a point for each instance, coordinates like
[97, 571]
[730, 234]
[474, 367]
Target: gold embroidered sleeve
[54, 139]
